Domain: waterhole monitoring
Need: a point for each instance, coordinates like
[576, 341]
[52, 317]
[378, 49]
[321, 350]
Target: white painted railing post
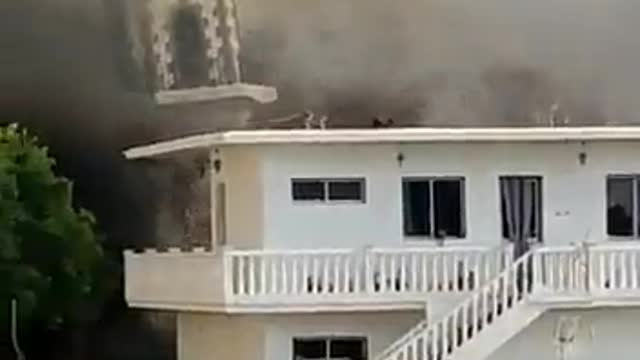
[229, 276]
[369, 277]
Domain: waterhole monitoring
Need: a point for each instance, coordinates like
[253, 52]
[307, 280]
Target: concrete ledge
[259, 93]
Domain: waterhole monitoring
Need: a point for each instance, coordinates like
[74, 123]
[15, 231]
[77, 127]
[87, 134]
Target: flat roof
[385, 135]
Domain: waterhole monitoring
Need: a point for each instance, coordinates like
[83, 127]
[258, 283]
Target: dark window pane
[309, 349]
[503, 214]
[191, 61]
[353, 349]
[535, 211]
[637, 217]
[307, 189]
[346, 190]
[416, 199]
[620, 206]
[448, 208]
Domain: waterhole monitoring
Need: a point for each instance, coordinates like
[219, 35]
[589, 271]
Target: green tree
[50, 258]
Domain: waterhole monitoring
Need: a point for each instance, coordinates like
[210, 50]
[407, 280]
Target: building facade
[404, 244]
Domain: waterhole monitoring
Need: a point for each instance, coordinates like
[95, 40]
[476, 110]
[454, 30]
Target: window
[330, 348]
[433, 207]
[622, 205]
[191, 62]
[521, 207]
[328, 190]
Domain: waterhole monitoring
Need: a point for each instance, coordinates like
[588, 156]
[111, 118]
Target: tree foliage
[50, 258]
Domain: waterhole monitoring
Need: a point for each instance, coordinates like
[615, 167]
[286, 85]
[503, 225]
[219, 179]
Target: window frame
[461, 179]
[326, 181]
[635, 217]
[538, 209]
[328, 339]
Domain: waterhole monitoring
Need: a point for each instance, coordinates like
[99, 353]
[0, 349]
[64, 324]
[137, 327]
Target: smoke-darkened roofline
[386, 135]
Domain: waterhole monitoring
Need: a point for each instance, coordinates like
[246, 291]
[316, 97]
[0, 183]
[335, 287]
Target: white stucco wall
[219, 337]
[615, 336]
[270, 337]
[574, 207]
[380, 329]
[242, 174]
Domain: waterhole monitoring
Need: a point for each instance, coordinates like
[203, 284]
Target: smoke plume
[422, 62]
[450, 62]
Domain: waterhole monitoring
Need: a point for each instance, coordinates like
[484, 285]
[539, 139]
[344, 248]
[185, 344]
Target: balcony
[306, 280]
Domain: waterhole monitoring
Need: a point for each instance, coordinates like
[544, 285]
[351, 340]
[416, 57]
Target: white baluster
[336, 273]
[414, 347]
[263, 274]
[284, 277]
[434, 343]
[403, 272]
[456, 275]
[305, 273]
[445, 336]
[454, 328]
[347, 274]
[484, 307]
[464, 321]
[414, 273]
[325, 274]
[252, 275]
[495, 298]
[445, 272]
[424, 272]
[476, 271]
[294, 275]
[505, 289]
[474, 313]
[612, 270]
[240, 286]
[382, 268]
[315, 276]
[434, 265]
[465, 272]
[634, 270]
[274, 274]
[603, 276]
[392, 273]
[487, 269]
[624, 281]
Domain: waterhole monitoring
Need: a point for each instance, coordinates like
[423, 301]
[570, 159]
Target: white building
[398, 244]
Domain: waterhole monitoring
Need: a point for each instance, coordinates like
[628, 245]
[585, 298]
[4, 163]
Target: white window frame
[538, 208]
[326, 181]
[328, 340]
[635, 181]
[432, 217]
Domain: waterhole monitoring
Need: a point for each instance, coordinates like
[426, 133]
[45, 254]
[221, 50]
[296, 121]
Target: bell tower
[188, 50]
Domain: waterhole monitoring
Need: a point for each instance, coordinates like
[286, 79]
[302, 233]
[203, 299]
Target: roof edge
[386, 135]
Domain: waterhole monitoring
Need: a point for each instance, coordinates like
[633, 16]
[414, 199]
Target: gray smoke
[451, 62]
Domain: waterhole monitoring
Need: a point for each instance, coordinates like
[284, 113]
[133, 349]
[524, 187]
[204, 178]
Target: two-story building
[405, 244]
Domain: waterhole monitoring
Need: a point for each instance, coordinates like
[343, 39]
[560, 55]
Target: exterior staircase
[483, 322]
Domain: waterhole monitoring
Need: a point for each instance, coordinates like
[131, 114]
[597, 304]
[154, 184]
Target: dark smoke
[452, 63]
[64, 74]
[58, 78]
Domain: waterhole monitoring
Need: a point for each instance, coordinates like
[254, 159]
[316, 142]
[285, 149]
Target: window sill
[327, 202]
[622, 239]
[433, 241]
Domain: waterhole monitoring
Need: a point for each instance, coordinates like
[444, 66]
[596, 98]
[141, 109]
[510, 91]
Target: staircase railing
[438, 340]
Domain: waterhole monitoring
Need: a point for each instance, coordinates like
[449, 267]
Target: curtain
[519, 196]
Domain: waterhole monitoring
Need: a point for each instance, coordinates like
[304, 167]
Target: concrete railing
[165, 279]
[372, 272]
